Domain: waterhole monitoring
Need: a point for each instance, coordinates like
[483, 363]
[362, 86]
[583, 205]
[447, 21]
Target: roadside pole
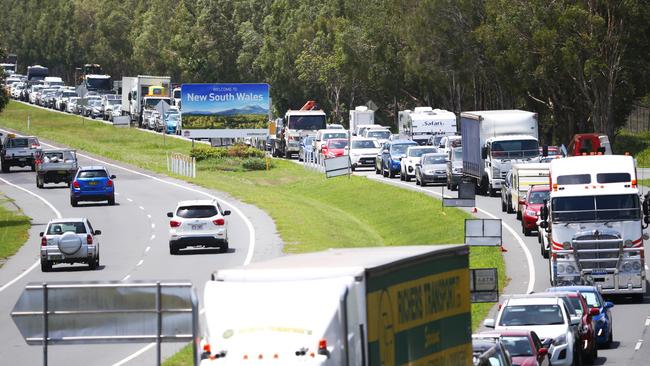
[28, 120]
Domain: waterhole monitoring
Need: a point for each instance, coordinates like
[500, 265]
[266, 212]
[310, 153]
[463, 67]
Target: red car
[587, 329]
[335, 147]
[534, 202]
[524, 347]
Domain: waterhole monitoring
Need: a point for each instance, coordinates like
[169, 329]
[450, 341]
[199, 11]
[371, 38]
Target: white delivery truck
[361, 115]
[357, 307]
[524, 176]
[594, 224]
[144, 91]
[422, 123]
[494, 140]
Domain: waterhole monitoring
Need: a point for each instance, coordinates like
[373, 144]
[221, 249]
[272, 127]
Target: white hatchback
[200, 223]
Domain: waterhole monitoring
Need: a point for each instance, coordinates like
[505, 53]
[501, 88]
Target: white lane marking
[638, 345]
[529, 257]
[148, 248]
[153, 226]
[142, 208]
[646, 267]
[153, 236]
[148, 216]
[126, 277]
[117, 193]
[135, 354]
[140, 263]
[38, 261]
[130, 200]
[647, 321]
[249, 224]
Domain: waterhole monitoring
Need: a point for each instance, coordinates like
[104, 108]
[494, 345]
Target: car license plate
[599, 272]
[92, 183]
[22, 159]
[55, 257]
[197, 227]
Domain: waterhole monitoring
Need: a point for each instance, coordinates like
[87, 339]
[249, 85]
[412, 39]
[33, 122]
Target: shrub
[235, 151]
[256, 164]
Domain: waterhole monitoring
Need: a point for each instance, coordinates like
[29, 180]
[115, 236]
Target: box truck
[361, 116]
[493, 141]
[422, 123]
[358, 306]
[138, 93]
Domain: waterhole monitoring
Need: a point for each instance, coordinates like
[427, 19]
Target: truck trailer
[360, 116]
[422, 123]
[136, 94]
[493, 141]
[358, 306]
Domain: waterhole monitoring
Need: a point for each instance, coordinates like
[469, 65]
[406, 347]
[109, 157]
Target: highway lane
[629, 317]
[133, 247]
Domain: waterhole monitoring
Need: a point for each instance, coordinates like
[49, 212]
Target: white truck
[494, 140]
[296, 125]
[357, 307]
[423, 122]
[594, 224]
[361, 115]
[136, 94]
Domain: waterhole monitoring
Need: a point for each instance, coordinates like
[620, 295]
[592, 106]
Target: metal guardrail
[314, 161]
[181, 164]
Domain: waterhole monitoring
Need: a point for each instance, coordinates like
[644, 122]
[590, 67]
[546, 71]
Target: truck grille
[597, 250]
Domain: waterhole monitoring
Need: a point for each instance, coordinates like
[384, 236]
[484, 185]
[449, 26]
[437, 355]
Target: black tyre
[407, 178]
[111, 201]
[46, 266]
[518, 215]
[224, 248]
[610, 338]
[509, 208]
[173, 250]
[39, 184]
[503, 206]
[73, 202]
[287, 155]
[5, 167]
[384, 172]
[33, 166]
[93, 264]
[377, 171]
[391, 174]
[401, 176]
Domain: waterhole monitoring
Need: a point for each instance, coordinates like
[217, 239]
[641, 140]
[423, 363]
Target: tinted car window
[17, 143]
[613, 177]
[196, 212]
[517, 346]
[64, 227]
[92, 174]
[574, 179]
[433, 159]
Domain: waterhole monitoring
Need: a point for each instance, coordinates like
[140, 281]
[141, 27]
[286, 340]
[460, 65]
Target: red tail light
[89, 239]
[75, 184]
[174, 223]
[322, 344]
[43, 241]
[219, 222]
[109, 183]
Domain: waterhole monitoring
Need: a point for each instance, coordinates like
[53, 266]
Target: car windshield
[196, 212]
[99, 173]
[517, 346]
[458, 154]
[596, 208]
[334, 135]
[522, 315]
[416, 153]
[177, 94]
[379, 134]
[433, 159]
[592, 299]
[515, 149]
[337, 144]
[399, 149]
[64, 227]
[538, 197]
[365, 144]
[306, 123]
[98, 83]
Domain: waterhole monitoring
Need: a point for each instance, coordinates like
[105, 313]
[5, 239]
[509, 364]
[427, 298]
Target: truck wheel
[46, 266]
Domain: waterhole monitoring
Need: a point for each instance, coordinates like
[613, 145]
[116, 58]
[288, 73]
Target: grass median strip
[310, 212]
[13, 229]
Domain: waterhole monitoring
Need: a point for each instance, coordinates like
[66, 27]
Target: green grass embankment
[637, 144]
[310, 212]
[13, 230]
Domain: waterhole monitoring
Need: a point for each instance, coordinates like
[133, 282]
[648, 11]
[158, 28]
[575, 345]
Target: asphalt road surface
[527, 270]
[134, 246]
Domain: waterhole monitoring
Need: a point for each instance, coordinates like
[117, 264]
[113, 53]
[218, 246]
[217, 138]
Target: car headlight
[631, 266]
[570, 269]
[560, 340]
[430, 172]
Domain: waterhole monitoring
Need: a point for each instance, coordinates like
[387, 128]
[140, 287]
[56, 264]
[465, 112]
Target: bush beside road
[13, 228]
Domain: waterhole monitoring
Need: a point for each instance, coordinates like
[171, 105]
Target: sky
[224, 97]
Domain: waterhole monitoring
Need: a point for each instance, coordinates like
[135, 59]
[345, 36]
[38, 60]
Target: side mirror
[542, 351]
[594, 311]
[488, 323]
[522, 201]
[41, 233]
[169, 214]
[646, 204]
[113, 176]
[484, 153]
[98, 232]
[609, 304]
[575, 320]
[226, 212]
[418, 165]
[543, 211]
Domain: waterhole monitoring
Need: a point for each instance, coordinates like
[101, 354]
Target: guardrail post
[45, 323]
[158, 322]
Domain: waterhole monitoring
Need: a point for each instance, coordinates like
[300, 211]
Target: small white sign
[335, 167]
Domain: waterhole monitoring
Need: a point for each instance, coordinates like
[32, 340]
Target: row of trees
[579, 63]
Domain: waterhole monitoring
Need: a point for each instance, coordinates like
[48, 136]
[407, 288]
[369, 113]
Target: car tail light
[43, 241]
[219, 222]
[109, 183]
[75, 184]
[174, 223]
[89, 239]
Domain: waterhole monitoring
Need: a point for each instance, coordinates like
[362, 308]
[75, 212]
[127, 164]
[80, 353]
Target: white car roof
[533, 301]
[68, 219]
[197, 203]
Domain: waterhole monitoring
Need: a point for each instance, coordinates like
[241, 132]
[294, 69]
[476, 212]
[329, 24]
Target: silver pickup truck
[56, 166]
[19, 151]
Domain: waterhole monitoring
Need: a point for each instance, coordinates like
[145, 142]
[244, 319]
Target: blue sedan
[92, 183]
[602, 321]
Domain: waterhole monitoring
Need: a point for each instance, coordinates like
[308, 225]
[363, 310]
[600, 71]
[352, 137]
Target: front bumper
[358, 161]
[433, 178]
[561, 355]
